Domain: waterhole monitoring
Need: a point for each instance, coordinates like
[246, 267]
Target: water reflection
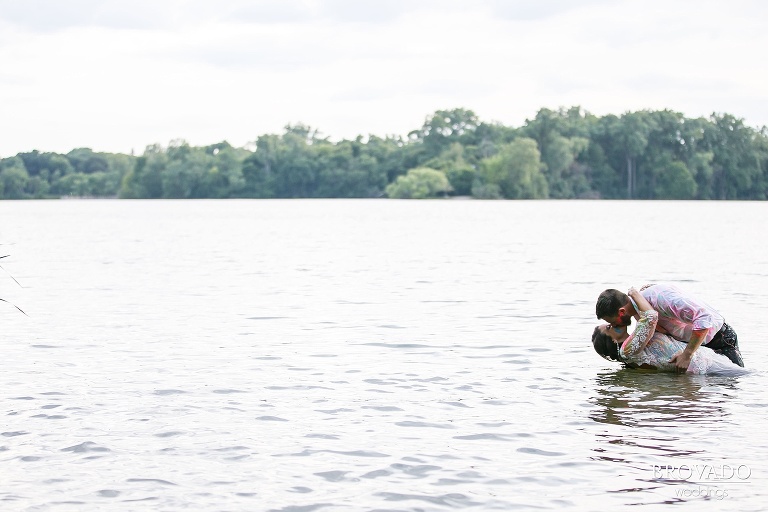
[651, 416]
[636, 398]
[649, 420]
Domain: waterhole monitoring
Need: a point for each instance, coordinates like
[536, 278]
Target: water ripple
[85, 447]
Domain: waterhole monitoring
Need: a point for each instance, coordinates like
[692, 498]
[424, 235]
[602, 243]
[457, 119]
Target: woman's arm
[640, 301]
[645, 328]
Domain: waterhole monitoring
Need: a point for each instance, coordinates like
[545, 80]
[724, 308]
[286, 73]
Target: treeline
[563, 154]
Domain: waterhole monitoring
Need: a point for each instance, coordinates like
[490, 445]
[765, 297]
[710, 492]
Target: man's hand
[682, 359]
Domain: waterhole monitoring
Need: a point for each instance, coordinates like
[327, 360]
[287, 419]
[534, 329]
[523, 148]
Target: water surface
[367, 355]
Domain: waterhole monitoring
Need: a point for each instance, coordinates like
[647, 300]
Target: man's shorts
[727, 343]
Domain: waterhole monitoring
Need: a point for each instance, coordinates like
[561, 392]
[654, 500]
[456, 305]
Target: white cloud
[55, 15]
[119, 75]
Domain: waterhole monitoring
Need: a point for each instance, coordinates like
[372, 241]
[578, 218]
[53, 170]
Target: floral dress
[647, 347]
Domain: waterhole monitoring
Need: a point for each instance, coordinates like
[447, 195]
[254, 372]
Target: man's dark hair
[605, 346]
[609, 302]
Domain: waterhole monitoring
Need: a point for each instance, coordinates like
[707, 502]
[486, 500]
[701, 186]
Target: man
[680, 315]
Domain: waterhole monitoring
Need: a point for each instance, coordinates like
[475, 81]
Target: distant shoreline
[560, 154]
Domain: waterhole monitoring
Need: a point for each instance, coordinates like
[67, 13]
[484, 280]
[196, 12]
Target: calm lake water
[361, 355]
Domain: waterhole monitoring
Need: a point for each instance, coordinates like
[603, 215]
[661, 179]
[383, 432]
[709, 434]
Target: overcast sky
[117, 75]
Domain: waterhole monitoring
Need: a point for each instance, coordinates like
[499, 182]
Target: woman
[649, 348]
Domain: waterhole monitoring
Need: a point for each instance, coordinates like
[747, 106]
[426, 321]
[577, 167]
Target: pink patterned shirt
[680, 313]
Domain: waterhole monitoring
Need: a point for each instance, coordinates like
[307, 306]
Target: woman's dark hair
[605, 346]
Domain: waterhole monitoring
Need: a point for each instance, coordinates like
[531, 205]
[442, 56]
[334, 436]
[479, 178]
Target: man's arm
[683, 358]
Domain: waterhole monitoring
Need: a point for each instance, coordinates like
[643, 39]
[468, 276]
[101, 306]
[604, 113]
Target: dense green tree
[259, 168]
[760, 153]
[444, 128]
[564, 153]
[36, 188]
[46, 164]
[630, 134]
[85, 161]
[75, 184]
[14, 179]
[563, 137]
[345, 171]
[145, 179]
[516, 170]
[735, 162]
[296, 172]
[419, 183]
[674, 181]
[228, 161]
[391, 154]
[453, 163]
[489, 137]
[482, 190]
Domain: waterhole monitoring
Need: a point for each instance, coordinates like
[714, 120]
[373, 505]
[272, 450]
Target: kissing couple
[674, 331]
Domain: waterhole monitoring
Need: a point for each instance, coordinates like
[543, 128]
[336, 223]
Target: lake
[304, 355]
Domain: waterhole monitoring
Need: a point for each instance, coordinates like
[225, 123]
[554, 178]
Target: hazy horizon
[117, 76]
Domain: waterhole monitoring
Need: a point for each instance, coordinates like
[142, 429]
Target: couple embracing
[674, 332]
